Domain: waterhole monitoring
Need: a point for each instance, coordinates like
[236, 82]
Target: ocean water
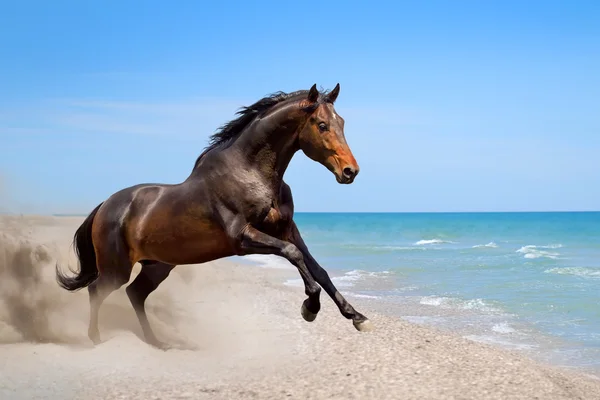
[525, 281]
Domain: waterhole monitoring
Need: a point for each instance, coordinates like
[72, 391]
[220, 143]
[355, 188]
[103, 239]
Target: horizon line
[378, 212]
[347, 212]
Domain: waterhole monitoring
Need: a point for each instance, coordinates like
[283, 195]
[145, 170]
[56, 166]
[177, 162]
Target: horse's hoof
[307, 315]
[159, 345]
[363, 326]
[95, 338]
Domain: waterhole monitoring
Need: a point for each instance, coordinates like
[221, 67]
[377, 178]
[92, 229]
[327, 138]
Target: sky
[449, 106]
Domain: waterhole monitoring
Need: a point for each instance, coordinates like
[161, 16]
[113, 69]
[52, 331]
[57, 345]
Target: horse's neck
[270, 143]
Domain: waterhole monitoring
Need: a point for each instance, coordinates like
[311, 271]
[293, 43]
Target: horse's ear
[313, 94]
[332, 96]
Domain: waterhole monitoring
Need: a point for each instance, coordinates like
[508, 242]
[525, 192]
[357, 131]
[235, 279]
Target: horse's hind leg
[151, 275]
[114, 271]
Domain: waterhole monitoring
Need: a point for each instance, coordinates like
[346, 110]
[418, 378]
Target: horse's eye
[322, 126]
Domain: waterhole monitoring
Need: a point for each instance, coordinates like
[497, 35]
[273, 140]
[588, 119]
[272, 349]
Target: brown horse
[234, 202]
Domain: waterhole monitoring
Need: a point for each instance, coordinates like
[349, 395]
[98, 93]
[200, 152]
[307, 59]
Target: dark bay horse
[235, 202]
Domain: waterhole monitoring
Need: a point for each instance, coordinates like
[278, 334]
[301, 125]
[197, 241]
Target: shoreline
[539, 347]
[418, 314]
[510, 331]
[236, 332]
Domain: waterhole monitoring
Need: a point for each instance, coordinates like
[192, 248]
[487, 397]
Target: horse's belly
[185, 243]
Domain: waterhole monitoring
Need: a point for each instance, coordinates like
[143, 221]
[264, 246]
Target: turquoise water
[524, 280]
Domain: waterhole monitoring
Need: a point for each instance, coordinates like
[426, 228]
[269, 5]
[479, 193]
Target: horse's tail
[84, 248]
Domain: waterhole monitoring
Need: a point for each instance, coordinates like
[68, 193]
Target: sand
[236, 333]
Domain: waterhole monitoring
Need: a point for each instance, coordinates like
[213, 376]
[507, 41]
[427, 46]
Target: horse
[234, 202]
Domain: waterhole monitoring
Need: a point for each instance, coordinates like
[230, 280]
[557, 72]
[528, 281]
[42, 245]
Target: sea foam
[533, 252]
[347, 280]
[431, 241]
[489, 245]
[451, 302]
[503, 327]
[576, 271]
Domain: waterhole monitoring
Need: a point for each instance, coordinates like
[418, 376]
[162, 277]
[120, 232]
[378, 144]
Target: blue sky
[449, 106]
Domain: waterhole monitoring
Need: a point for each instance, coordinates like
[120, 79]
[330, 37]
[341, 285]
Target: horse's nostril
[349, 172]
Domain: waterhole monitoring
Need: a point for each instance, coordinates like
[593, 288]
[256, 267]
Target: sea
[526, 281]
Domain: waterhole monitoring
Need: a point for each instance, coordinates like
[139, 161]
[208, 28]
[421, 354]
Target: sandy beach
[236, 333]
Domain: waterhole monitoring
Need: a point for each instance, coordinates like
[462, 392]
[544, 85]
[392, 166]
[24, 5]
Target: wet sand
[236, 333]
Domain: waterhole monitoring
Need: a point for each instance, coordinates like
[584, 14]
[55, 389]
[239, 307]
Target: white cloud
[179, 118]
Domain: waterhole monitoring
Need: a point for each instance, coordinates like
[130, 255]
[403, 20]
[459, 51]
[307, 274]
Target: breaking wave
[489, 245]
[533, 252]
[575, 271]
[451, 302]
[431, 241]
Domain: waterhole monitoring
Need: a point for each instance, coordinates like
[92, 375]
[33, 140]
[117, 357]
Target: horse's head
[322, 138]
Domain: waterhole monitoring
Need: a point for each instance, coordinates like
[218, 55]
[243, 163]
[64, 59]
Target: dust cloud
[33, 308]
[31, 305]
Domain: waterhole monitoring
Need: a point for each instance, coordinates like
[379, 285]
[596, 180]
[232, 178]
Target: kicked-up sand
[236, 333]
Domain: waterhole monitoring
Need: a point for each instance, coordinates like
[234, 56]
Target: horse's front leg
[360, 322]
[253, 241]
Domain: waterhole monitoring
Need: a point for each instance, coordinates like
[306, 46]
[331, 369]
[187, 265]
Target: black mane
[233, 128]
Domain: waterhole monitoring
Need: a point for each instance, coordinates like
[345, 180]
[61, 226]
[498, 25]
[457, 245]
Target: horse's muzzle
[348, 175]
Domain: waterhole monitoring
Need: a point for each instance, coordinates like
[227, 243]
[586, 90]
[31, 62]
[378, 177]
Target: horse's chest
[260, 203]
